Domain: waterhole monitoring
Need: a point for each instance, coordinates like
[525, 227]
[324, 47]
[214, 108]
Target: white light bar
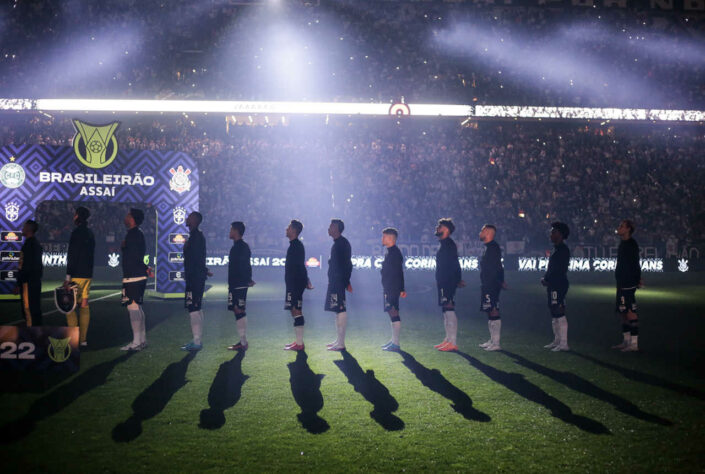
[350, 108]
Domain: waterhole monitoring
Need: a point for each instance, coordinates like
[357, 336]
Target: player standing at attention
[492, 282]
[239, 280]
[29, 275]
[296, 279]
[392, 285]
[556, 282]
[195, 274]
[79, 270]
[339, 271]
[134, 278]
[628, 276]
[448, 279]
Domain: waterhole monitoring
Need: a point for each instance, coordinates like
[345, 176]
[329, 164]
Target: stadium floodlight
[350, 108]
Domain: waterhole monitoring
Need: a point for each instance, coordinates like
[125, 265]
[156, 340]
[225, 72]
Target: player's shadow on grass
[58, 399]
[224, 393]
[114, 332]
[581, 385]
[435, 381]
[306, 388]
[153, 399]
[519, 385]
[645, 378]
[374, 392]
[30, 382]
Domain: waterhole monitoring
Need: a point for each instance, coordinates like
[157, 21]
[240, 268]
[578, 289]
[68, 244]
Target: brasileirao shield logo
[95, 145]
[59, 350]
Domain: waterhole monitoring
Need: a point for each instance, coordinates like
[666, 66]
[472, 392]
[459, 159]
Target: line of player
[448, 278]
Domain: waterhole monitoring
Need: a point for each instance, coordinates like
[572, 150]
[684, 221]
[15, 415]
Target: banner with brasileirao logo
[39, 348]
[94, 169]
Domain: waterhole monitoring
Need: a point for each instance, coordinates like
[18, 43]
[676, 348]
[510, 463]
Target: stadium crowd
[350, 50]
[408, 173]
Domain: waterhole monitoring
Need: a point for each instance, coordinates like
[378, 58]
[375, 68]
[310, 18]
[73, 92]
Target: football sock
[242, 330]
[396, 331]
[341, 320]
[563, 330]
[71, 319]
[452, 326]
[196, 326]
[84, 316]
[495, 328]
[143, 326]
[626, 332]
[445, 324]
[135, 318]
[299, 330]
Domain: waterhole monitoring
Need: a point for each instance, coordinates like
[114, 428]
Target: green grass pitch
[521, 410]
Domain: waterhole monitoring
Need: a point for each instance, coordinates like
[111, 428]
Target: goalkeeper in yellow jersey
[79, 270]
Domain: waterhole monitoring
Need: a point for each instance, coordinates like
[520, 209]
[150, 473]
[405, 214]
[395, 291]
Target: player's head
[134, 218]
[294, 229]
[81, 216]
[559, 232]
[336, 228]
[444, 228]
[626, 229]
[194, 220]
[487, 233]
[30, 228]
[237, 230]
[389, 236]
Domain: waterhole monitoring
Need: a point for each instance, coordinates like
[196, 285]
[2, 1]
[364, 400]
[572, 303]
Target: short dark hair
[490, 226]
[33, 225]
[199, 216]
[390, 231]
[238, 226]
[137, 215]
[297, 226]
[448, 223]
[629, 223]
[562, 228]
[339, 223]
[83, 214]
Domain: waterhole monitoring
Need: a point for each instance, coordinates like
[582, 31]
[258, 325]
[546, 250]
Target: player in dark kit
[628, 276]
[239, 280]
[339, 271]
[556, 282]
[79, 270]
[392, 285]
[134, 279]
[448, 279]
[29, 275]
[296, 279]
[195, 274]
[492, 282]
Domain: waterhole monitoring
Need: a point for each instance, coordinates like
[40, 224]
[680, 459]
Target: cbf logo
[180, 181]
[179, 215]
[12, 211]
[95, 145]
[12, 175]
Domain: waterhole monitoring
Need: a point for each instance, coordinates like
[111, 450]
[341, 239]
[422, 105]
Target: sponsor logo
[59, 350]
[8, 275]
[313, 262]
[113, 260]
[179, 215]
[180, 181]
[92, 143]
[176, 257]
[12, 175]
[178, 239]
[10, 236]
[10, 256]
[12, 211]
[176, 276]
[683, 265]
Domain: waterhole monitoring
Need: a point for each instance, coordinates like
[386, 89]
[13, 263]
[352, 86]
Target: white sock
[445, 324]
[196, 326]
[452, 327]
[634, 340]
[556, 331]
[489, 326]
[496, 327]
[563, 330]
[396, 330]
[341, 323]
[143, 327]
[299, 330]
[242, 330]
[627, 337]
[135, 317]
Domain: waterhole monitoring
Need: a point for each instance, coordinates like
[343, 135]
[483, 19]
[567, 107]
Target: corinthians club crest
[12, 211]
[179, 215]
[180, 181]
[95, 145]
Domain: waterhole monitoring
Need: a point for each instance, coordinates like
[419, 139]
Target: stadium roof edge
[350, 108]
